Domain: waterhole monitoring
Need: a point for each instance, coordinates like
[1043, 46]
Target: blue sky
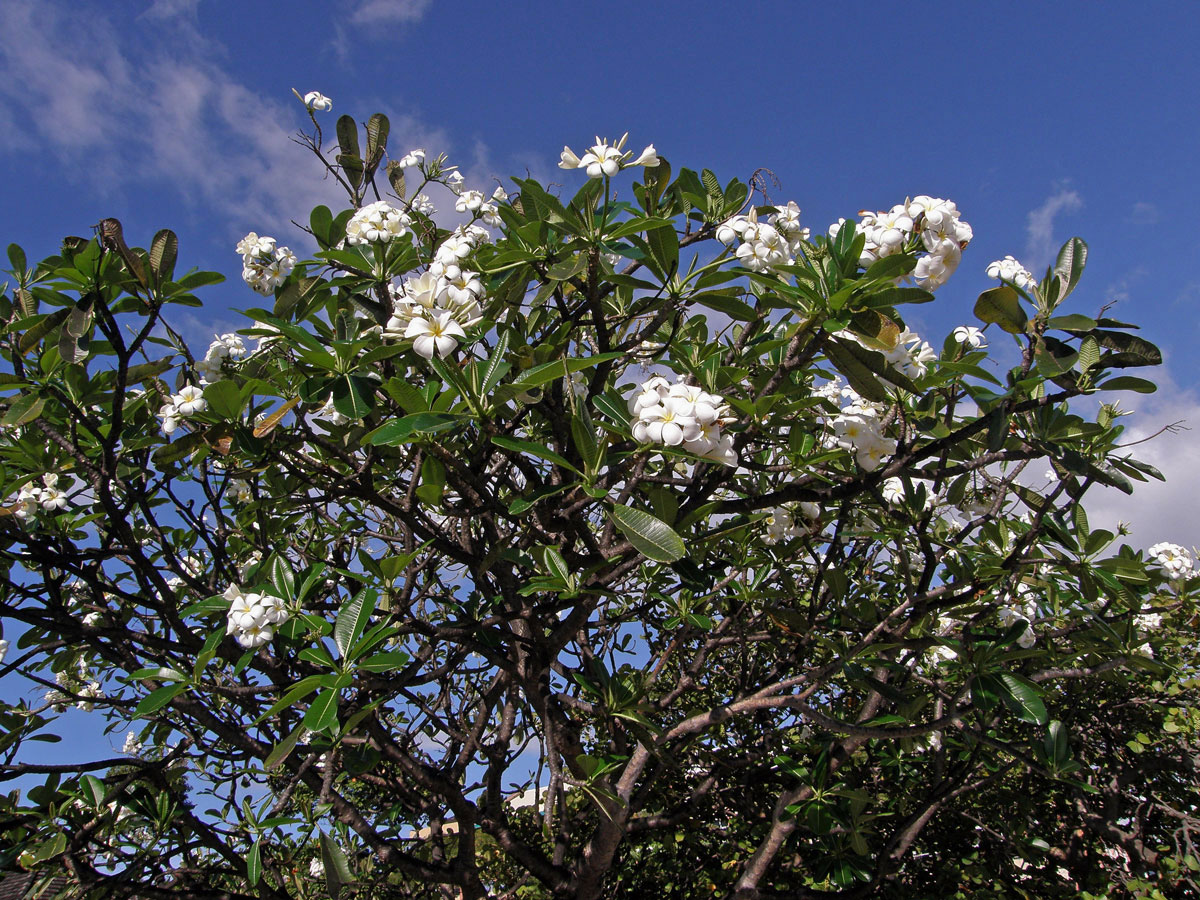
[1041, 121]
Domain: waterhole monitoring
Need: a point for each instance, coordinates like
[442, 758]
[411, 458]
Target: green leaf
[651, 537]
[352, 618]
[282, 577]
[224, 399]
[385, 662]
[858, 364]
[25, 408]
[16, 256]
[583, 431]
[560, 368]
[401, 431]
[158, 698]
[1022, 697]
[1072, 322]
[553, 560]
[254, 862]
[337, 867]
[378, 128]
[1002, 306]
[538, 450]
[496, 366]
[44, 326]
[283, 749]
[1128, 383]
[347, 135]
[323, 712]
[726, 302]
[1069, 265]
[164, 250]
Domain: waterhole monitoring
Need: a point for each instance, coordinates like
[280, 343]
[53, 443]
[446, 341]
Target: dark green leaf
[352, 618]
[401, 431]
[1021, 696]
[254, 863]
[164, 250]
[323, 712]
[158, 698]
[1002, 306]
[651, 537]
[337, 868]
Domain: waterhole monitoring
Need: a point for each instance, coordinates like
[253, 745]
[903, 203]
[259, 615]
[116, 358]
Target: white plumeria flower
[3, 649]
[317, 102]
[1009, 269]
[411, 158]
[190, 401]
[1173, 558]
[969, 334]
[605, 160]
[438, 334]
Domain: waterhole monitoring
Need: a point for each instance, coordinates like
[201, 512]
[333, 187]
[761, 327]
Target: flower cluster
[1023, 608]
[765, 245]
[377, 222]
[226, 347]
[1175, 560]
[942, 232]
[781, 522]
[49, 497]
[894, 494]
[683, 415]
[858, 428]
[78, 688]
[187, 402]
[264, 265]
[605, 160]
[488, 210]
[253, 617]
[435, 310]
[1009, 269]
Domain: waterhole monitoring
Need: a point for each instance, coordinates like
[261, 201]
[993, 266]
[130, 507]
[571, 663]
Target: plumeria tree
[613, 538]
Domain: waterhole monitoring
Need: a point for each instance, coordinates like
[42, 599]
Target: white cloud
[1042, 246]
[386, 12]
[1157, 511]
[1144, 213]
[126, 119]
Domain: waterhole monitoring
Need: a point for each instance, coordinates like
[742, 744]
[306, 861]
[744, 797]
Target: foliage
[655, 509]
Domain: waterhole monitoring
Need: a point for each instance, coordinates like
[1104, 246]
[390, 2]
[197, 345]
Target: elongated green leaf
[651, 537]
[25, 408]
[1129, 383]
[560, 368]
[40, 329]
[164, 250]
[1069, 265]
[538, 450]
[254, 863]
[158, 698]
[337, 867]
[496, 366]
[353, 617]
[283, 749]
[555, 564]
[402, 430]
[860, 376]
[726, 302]
[378, 128]
[385, 662]
[323, 712]
[1022, 697]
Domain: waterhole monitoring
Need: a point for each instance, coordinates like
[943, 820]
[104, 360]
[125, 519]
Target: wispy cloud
[1041, 245]
[387, 12]
[1144, 213]
[85, 90]
[1157, 511]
